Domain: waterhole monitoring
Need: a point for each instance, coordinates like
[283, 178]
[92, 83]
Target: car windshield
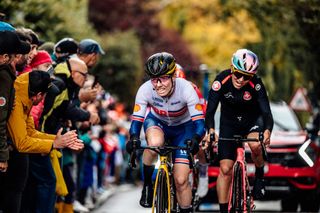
[284, 118]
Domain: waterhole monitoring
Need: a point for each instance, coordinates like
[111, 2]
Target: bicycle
[240, 197]
[164, 197]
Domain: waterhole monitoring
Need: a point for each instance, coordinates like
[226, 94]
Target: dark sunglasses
[162, 79]
[83, 74]
[239, 74]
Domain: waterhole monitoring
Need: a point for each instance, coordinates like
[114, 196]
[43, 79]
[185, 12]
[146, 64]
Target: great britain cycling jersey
[177, 109]
[180, 116]
[239, 107]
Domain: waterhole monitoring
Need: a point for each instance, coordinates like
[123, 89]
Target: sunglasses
[162, 79]
[83, 74]
[238, 74]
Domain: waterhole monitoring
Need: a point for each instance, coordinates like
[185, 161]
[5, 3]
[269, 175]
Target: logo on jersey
[216, 86]
[247, 96]
[254, 128]
[258, 87]
[228, 95]
[2, 101]
[136, 108]
[198, 107]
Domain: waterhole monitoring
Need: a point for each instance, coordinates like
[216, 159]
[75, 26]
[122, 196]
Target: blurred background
[284, 34]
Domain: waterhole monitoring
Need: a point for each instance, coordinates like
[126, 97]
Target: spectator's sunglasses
[239, 74]
[162, 79]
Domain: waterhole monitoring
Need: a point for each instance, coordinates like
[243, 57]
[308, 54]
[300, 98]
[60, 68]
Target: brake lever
[209, 153]
[132, 163]
[264, 150]
[133, 155]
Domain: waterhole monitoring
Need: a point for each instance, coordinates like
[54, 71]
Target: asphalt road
[125, 198]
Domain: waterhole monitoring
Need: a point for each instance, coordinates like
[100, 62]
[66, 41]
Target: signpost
[300, 101]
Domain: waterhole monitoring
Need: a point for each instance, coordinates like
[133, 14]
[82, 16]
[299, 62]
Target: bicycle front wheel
[162, 193]
[236, 192]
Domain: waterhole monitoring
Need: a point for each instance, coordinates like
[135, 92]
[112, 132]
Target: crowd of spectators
[62, 136]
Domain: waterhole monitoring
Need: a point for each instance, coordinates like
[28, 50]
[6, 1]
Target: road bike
[164, 194]
[240, 195]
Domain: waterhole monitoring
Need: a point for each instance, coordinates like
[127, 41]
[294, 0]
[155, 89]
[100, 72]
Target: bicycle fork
[162, 167]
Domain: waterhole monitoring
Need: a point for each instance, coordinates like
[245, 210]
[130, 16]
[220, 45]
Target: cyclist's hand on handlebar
[266, 137]
[194, 146]
[207, 140]
[133, 143]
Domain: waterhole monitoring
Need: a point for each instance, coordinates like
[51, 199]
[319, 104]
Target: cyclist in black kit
[245, 111]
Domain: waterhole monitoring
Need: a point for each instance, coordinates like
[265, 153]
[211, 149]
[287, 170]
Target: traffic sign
[300, 101]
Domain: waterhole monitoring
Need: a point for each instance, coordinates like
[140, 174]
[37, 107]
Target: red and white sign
[300, 101]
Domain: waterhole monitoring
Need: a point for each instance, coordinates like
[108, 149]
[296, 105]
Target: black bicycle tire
[162, 193]
[237, 192]
[248, 196]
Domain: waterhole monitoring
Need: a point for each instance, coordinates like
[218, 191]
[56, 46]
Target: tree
[141, 16]
[52, 20]
[121, 71]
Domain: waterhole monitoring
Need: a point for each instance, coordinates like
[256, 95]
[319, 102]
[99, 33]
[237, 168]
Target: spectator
[61, 107]
[9, 46]
[89, 52]
[41, 61]
[21, 60]
[30, 89]
[47, 46]
[34, 42]
[63, 49]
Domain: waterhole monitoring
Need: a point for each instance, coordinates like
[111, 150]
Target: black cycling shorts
[227, 149]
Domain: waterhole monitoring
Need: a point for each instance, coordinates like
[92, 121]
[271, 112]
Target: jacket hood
[21, 86]
[63, 69]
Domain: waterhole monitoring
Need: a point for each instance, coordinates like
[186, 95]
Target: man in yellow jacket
[30, 88]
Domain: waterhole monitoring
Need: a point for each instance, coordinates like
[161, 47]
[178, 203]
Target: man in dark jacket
[10, 45]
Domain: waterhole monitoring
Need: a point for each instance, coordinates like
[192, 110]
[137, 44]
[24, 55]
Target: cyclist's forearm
[199, 128]
[135, 128]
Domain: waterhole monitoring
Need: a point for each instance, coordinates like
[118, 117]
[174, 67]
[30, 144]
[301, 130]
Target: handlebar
[160, 150]
[237, 139]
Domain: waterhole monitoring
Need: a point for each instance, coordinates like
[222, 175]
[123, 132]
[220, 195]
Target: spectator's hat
[11, 44]
[90, 46]
[66, 46]
[4, 26]
[47, 46]
[41, 58]
[40, 81]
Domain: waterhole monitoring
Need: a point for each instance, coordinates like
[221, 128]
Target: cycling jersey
[203, 101]
[182, 106]
[239, 107]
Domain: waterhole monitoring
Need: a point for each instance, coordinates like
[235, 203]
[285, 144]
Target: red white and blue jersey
[181, 107]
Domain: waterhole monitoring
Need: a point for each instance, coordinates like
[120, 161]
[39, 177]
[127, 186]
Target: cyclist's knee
[226, 170]
[181, 182]
[255, 149]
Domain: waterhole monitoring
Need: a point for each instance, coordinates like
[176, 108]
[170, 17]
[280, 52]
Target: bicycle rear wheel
[162, 193]
[237, 195]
